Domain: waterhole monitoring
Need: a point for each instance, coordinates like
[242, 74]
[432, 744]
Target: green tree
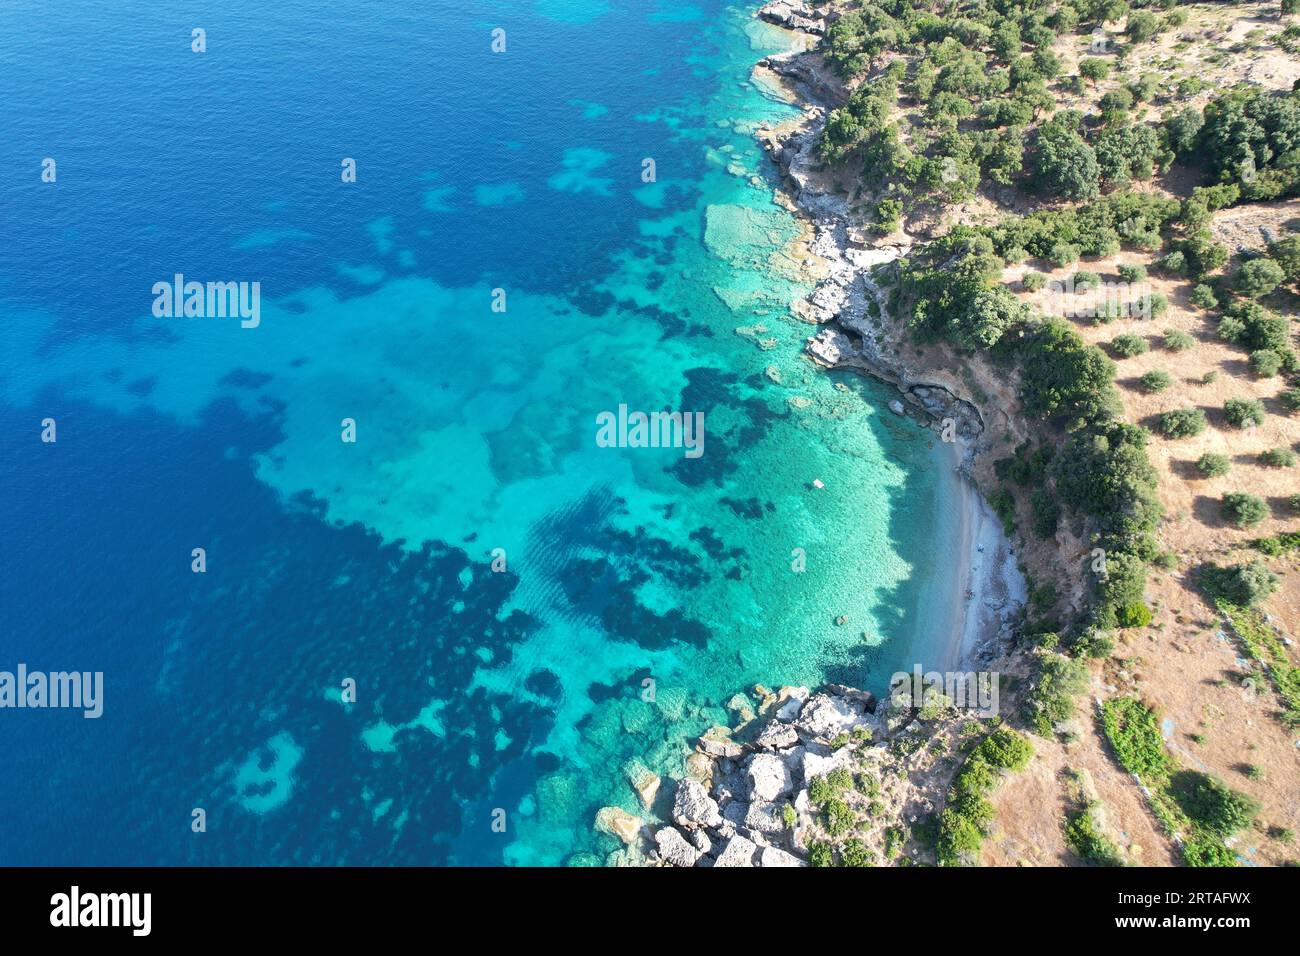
[1244, 510]
[1243, 412]
[1259, 277]
[1213, 465]
[1182, 423]
[1065, 165]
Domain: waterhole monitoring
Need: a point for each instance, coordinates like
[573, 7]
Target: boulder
[693, 807]
[777, 736]
[717, 742]
[735, 812]
[674, 849]
[772, 856]
[818, 765]
[643, 781]
[737, 852]
[765, 817]
[618, 822]
[789, 702]
[700, 840]
[769, 777]
[699, 767]
[739, 705]
[827, 717]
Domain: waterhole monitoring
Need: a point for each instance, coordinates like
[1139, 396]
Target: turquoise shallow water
[519, 690]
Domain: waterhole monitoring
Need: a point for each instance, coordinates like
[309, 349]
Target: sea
[363, 583]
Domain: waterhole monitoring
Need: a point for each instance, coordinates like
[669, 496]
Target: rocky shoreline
[744, 798]
[855, 330]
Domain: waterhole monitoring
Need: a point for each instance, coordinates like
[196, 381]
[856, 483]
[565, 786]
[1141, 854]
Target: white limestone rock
[772, 856]
[769, 777]
[738, 852]
[693, 807]
[674, 849]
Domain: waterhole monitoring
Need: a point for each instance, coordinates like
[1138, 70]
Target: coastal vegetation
[1057, 177]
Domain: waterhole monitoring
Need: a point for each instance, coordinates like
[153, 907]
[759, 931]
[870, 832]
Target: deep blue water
[477, 690]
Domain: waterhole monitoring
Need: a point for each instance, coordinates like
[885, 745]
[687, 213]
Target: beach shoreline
[989, 589]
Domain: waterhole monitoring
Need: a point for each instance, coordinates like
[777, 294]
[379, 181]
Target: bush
[1064, 253]
[1046, 512]
[1243, 412]
[1213, 465]
[1182, 423]
[1133, 273]
[1033, 281]
[1176, 340]
[1278, 458]
[1086, 280]
[1291, 399]
[1211, 804]
[1155, 381]
[1252, 327]
[1086, 840]
[1244, 510]
[1134, 615]
[1065, 165]
[1094, 69]
[819, 854]
[1265, 363]
[1203, 297]
[1127, 346]
[1259, 277]
[1134, 735]
[1058, 682]
[1242, 584]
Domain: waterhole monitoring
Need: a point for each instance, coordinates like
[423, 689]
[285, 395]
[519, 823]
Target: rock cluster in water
[745, 790]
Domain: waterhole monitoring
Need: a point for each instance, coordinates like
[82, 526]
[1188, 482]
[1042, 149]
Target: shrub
[1086, 840]
[1133, 273]
[1004, 749]
[1086, 280]
[1046, 512]
[1134, 615]
[1182, 423]
[1265, 363]
[1244, 510]
[1094, 69]
[1259, 277]
[1058, 682]
[1134, 735]
[1176, 340]
[1213, 465]
[1242, 584]
[854, 853]
[1064, 164]
[1278, 458]
[1203, 297]
[1155, 381]
[1252, 327]
[819, 854]
[1243, 412]
[1064, 253]
[1127, 346]
[1156, 305]
[1211, 804]
[1033, 281]
[1291, 399]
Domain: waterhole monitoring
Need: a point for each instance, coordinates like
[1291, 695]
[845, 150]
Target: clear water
[476, 691]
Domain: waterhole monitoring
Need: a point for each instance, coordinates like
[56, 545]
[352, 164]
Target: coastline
[855, 332]
[743, 797]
